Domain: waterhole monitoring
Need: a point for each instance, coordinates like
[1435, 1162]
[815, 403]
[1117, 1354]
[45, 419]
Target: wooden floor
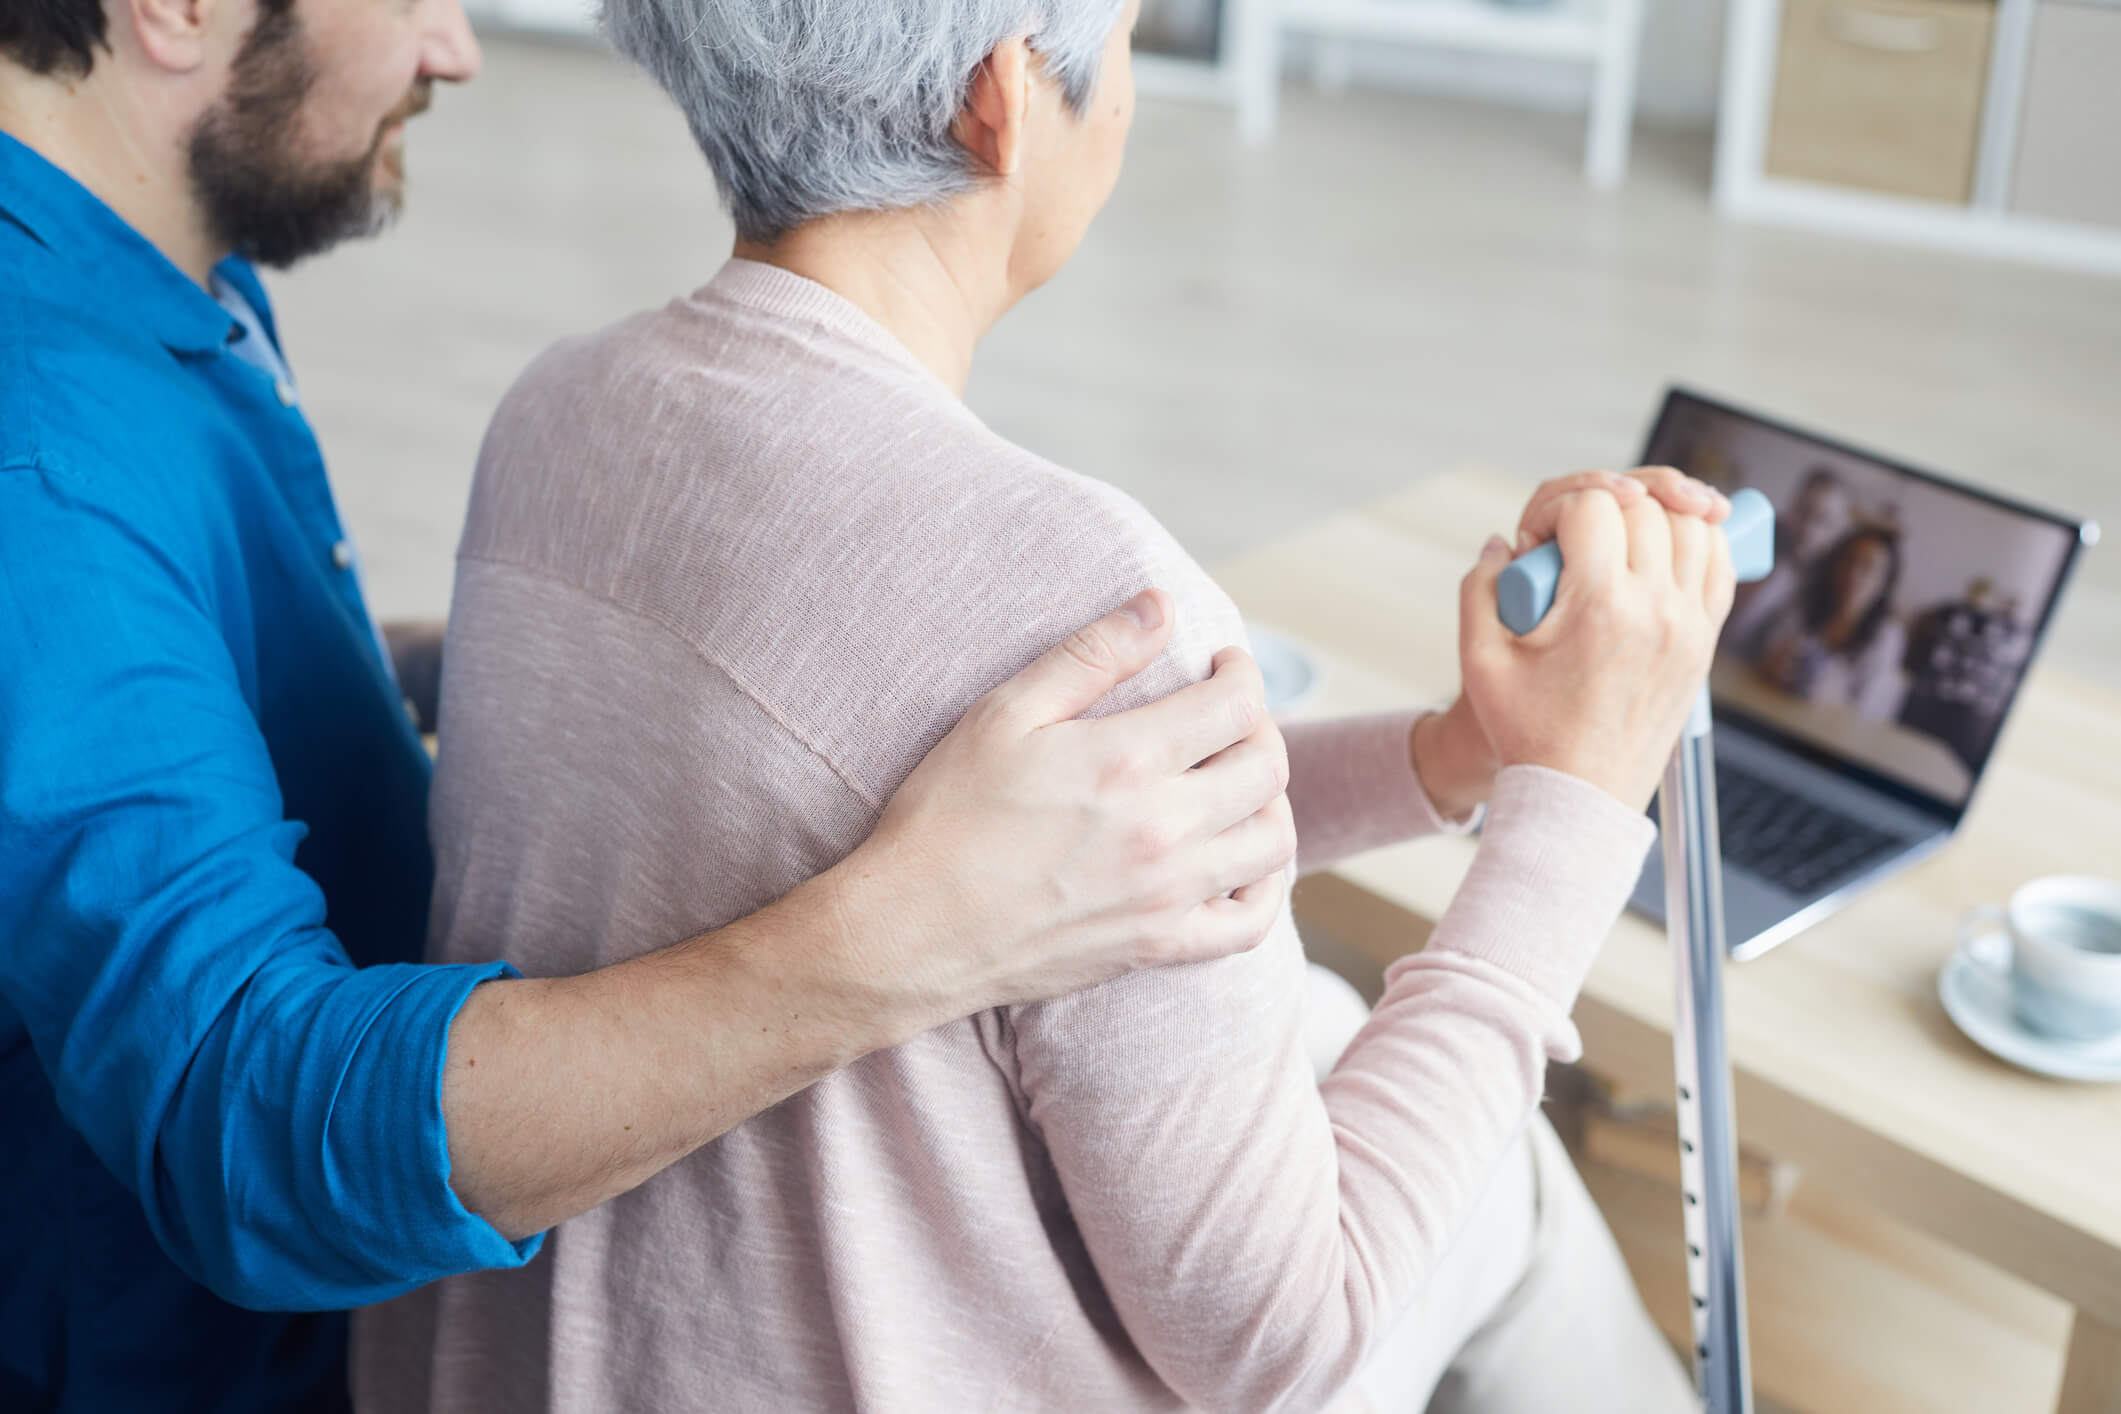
[1849, 1311]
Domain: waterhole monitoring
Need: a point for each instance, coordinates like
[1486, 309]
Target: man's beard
[261, 199]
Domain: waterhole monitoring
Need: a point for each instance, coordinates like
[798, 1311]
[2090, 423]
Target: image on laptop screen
[1902, 612]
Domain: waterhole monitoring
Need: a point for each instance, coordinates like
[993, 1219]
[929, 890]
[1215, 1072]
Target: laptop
[1860, 689]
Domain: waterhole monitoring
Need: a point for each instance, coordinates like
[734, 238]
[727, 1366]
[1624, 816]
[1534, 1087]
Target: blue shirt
[220, 1061]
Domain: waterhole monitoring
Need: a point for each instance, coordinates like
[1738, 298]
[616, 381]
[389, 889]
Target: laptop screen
[1902, 612]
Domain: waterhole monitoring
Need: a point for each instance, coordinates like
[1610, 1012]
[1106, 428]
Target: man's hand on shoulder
[1033, 854]
[1030, 855]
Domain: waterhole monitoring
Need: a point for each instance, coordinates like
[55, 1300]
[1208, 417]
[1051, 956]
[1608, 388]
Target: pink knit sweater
[732, 567]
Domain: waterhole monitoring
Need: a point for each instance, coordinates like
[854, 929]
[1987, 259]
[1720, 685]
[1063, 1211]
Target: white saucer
[1978, 1000]
[1291, 675]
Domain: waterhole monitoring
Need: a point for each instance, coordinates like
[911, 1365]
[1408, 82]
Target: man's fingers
[1235, 924]
[1087, 664]
[1251, 849]
[1239, 781]
[1542, 514]
[1194, 723]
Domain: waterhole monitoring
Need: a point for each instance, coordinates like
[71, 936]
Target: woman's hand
[1602, 687]
[1453, 754]
[1670, 487]
[1033, 854]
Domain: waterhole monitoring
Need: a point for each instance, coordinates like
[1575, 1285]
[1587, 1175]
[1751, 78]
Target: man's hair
[48, 36]
[805, 108]
[62, 36]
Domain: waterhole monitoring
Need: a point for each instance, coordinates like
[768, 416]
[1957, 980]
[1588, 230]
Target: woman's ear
[991, 124]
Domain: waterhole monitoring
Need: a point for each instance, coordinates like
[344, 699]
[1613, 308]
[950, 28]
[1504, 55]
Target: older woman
[704, 547]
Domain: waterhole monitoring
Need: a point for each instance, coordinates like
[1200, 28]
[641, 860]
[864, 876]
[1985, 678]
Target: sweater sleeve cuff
[1558, 860]
[1353, 787]
[1432, 821]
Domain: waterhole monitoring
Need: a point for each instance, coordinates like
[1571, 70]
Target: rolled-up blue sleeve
[276, 1110]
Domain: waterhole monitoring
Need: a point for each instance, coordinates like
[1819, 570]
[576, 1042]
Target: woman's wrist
[1456, 764]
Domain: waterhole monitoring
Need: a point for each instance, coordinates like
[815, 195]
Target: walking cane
[1693, 881]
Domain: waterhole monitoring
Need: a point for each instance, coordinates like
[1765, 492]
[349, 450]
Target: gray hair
[805, 108]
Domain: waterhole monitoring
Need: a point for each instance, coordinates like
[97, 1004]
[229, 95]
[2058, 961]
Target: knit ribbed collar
[768, 289]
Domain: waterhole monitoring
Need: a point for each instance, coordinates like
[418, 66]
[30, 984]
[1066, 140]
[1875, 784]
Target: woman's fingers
[1600, 688]
[1682, 495]
[1720, 585]
[1593, 532]
[1543, 512]
[1693, 540]
[1650, 540]
[1480, 630]
[1673, 489]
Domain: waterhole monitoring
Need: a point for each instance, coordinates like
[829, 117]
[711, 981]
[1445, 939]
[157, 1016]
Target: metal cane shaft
[1693, 872]
[1708, 1138]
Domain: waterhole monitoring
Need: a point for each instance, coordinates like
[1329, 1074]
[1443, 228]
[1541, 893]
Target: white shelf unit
[1246, 74]
[1985, 225]
[1218, 80]
[1606, 35]
[1158, 75]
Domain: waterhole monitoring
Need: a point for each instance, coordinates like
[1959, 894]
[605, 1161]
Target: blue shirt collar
[73, 223]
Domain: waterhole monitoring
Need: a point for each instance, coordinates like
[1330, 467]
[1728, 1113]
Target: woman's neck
[922, 275]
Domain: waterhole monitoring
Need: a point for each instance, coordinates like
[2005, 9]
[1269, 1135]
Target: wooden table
[1846, 1063]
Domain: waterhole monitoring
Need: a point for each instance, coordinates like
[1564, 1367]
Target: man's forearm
[562, 1093]
[1029, 855]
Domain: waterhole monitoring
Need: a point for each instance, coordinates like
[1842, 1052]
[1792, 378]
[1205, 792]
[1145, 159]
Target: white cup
[2064, 961]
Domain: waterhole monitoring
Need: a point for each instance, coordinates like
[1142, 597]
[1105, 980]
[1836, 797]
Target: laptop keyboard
[1789, 840]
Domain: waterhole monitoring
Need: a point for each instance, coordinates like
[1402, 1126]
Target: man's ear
[991, 124]
[180, 35]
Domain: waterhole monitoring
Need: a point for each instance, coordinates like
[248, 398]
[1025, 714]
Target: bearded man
[233, 1101]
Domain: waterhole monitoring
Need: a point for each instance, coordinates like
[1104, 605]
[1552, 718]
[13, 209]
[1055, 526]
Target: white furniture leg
[1252, 30]
[1613, 95]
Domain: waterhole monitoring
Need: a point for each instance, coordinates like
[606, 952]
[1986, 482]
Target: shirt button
[342, 555]
[285, 391]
